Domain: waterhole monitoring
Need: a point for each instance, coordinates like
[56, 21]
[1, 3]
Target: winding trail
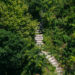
[50, 58]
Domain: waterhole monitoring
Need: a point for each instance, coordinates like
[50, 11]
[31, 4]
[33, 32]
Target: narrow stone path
[50, 58]
[54, 62]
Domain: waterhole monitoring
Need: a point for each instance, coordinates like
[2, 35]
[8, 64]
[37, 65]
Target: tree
[18, 55]
[21, 17]
[35, 62]
[12, 52]
[57, 17]
[69, 57]
[14, 16]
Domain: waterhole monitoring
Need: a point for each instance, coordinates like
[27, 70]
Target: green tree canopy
[14, 16]
[12, 50]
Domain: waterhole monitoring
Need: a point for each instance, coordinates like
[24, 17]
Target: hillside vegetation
[18, 22]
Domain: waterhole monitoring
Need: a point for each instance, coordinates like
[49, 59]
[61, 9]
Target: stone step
[51, 58]
[48, 56]
[38, 38]
[44, 52]
[53, 61]
[55, 64]
[39, 35]
[39, 41]
[59, 69]
[36, 32]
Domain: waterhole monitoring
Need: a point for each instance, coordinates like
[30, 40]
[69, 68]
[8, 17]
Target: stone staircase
[54, 62]
[50, 58]
[39, 39]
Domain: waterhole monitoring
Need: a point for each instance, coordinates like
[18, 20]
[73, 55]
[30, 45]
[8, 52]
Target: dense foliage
[12, 50]
[14, 16]
[16, 39]
[57, 17]
[18, 22]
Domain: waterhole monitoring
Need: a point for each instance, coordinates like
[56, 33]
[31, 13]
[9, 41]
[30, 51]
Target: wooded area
[19, 20]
